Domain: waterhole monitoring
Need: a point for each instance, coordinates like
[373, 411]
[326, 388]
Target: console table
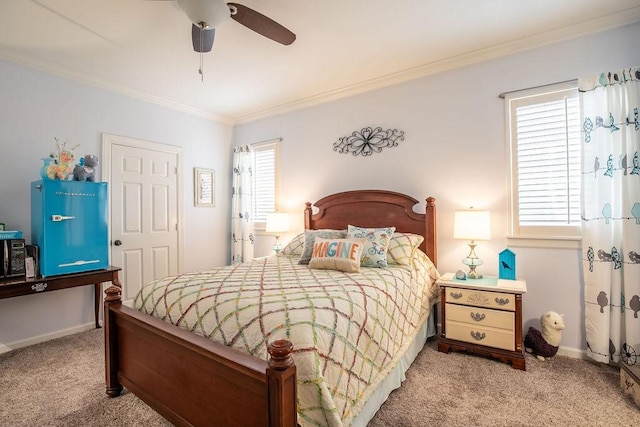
[20, 286]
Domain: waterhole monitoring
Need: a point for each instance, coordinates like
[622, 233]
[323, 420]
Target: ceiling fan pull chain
[201, 54]
[200, 70]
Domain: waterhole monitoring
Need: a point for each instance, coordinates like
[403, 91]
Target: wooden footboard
[192, 380]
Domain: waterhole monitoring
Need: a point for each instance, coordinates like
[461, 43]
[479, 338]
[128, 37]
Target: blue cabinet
[69, 225]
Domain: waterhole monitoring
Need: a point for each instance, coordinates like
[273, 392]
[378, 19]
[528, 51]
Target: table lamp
[277, 222]
[472, 225]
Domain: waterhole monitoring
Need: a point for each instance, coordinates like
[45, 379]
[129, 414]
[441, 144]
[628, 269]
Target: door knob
[117, 242]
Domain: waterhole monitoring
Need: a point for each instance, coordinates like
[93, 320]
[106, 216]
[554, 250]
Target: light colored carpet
[61, 383]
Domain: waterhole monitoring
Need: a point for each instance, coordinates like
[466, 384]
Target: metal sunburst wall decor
[368, 141]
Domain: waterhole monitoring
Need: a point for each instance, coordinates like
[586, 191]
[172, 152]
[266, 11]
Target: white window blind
[545, 175]
[264, 181]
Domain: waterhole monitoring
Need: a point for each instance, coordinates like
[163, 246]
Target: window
[265, 181]
[544, 134]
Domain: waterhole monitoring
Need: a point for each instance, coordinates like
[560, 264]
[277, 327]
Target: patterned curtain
[611, 214]
[241, 207]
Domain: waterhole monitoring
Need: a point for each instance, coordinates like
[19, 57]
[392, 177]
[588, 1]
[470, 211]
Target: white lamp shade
[472, 225]
[277, 222]
[211, 12]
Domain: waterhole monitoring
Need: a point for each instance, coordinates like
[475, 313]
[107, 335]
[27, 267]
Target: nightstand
[483, 316]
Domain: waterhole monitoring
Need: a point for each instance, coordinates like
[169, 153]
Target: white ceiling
[143, 47]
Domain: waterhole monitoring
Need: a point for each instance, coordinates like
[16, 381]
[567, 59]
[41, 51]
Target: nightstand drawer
[480, 317]
[500, 300]
[490, 337]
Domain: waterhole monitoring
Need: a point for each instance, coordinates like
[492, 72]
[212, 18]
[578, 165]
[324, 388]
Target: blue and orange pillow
[337, 254]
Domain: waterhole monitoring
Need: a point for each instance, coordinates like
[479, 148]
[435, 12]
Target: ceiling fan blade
[261, 24]
[202, 38]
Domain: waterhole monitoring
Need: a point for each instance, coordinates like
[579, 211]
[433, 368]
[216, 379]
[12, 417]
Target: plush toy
[59, 165]
[545, 344]
[85, 170]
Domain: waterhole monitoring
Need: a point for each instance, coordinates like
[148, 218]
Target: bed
[193, 380]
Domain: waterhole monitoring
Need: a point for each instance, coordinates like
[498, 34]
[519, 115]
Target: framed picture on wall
[204, 186]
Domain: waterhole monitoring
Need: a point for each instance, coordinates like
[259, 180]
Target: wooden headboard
[375, 208]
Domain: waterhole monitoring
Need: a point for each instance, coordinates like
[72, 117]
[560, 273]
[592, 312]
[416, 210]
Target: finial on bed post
[113, 294]
[280, 352]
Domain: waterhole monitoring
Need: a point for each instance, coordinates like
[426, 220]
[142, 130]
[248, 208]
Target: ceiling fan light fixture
[210, 12]
[202, 38]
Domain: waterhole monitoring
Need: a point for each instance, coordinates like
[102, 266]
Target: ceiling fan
[206, 15]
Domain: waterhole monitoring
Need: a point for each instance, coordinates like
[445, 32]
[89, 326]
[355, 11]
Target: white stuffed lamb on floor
[545, 344]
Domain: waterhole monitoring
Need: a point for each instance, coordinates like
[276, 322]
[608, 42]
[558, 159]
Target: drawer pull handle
[39, 287]
[478, 336]
[477, 316]
[456, 295]
[502, 301]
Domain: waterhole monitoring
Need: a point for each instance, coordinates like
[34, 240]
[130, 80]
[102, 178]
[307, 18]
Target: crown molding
[608, 22]
[66, 73]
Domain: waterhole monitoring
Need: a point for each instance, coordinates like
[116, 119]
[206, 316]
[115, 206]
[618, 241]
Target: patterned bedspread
[348, 329]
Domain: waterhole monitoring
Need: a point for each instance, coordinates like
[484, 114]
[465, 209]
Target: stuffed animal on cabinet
[86, 169]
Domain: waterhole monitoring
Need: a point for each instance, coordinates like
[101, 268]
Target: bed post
[281, 377]
[430, 232]
[307, 215]
[111, 341]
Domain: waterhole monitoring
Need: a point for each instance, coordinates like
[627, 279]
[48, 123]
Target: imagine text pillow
[375, 248]
[401, 248]
[310, 237]
[337, 254]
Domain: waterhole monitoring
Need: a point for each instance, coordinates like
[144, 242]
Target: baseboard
[573, 353]
[5, 348]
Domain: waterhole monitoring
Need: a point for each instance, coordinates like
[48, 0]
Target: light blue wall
[455, 150]
[35, 107]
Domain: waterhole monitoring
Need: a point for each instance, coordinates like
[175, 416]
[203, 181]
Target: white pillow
[401, 248]
[295, 246]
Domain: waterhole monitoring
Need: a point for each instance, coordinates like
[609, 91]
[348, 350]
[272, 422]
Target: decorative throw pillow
[337, 254]
[375, 248]
[295, 246]
[401, 248]
[310, 237]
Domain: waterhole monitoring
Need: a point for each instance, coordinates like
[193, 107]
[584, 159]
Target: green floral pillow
[375, 248]
[310, 238]
[401, 248]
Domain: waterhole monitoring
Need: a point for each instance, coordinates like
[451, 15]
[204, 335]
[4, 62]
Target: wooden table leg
[98, 300]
